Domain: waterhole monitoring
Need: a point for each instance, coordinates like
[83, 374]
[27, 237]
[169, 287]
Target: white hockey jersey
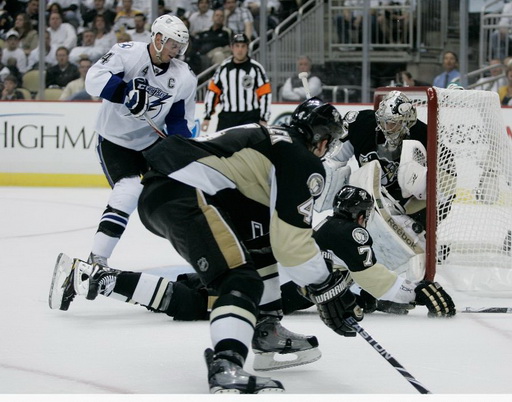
[172, 91]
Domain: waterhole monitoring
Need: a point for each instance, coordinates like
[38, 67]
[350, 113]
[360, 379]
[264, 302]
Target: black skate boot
[226, 375]
[102, 280]
[275, 347]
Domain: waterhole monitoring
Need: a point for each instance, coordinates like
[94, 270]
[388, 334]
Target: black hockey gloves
[335, 302]
[438, 302]
[137, 99]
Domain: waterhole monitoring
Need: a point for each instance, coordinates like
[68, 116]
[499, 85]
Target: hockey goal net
[469, 187]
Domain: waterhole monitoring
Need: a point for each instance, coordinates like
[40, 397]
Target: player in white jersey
[142, 86]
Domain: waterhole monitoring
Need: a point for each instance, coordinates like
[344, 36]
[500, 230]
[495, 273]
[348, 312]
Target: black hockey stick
[488, 310]
[384, 353]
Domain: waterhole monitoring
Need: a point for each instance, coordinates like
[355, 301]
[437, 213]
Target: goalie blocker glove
[137, 99]
[335, 302]
[438, 302]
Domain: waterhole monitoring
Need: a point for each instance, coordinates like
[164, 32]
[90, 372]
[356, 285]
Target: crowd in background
[87, 29]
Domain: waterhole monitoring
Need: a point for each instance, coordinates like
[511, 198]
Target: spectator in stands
[211, 46]
[10, 90]
[32, 10]
[293, 90]
[105, 37]
[162, 9]
[13, 52]
[62, 73]
[69, 11]
[8, 69]
[125, 17]
[273, 7]
[6, 21]
[99, 9]
[29, 39]
[201, 20]
[501, 40]
[505, 92]
[87, 50]
[409, 81]
[491, 82]
[50, 58]
[75, 90]
[61, 33]
[123, 37]
[450, 73]
[140, 33]
[238, 19]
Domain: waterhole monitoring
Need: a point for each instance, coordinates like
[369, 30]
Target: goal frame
[431, 220]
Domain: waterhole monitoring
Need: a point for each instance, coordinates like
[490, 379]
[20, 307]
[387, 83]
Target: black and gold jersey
[269, 165]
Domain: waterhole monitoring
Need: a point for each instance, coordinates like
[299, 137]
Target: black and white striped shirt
[239, 87]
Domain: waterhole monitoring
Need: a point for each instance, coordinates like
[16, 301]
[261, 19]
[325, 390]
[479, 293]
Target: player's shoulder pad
[350, 230]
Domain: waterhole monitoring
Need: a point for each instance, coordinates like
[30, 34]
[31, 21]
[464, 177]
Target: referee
[241, 86]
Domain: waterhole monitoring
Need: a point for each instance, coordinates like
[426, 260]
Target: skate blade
[218, 390]
[275, 361]
[61, 271]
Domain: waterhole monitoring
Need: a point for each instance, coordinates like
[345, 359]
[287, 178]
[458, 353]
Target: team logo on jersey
[247, 82]
[360, 235]
[125, 45]
[316, 184]
[351, 116]
[172, 83]
[202, 264]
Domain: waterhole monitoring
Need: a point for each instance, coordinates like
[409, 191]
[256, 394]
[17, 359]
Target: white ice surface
[108, 347]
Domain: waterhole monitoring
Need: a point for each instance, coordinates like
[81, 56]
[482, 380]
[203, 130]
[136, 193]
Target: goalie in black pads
[232, 205]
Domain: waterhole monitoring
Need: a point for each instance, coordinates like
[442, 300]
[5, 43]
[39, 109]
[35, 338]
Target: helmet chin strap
[158, 51]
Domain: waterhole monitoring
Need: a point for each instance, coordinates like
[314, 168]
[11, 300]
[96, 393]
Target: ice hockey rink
[111, 348]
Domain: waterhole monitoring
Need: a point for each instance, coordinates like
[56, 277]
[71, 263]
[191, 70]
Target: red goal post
[469, 187]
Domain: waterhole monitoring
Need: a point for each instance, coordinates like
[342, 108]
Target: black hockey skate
[276, 348]
[226, 376]
[73, 277]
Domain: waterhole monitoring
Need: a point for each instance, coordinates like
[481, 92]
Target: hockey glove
[335, 301]
[137, 99]
[366, 301]
[438, 302]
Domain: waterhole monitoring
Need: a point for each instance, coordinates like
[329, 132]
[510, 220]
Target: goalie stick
[384, 353]
[507, 310]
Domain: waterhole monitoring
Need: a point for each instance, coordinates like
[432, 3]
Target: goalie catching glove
[137, 98]
[335, 302]
[438, 302]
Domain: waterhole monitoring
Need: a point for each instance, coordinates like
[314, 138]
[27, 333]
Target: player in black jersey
[379, 135]
[233, 205]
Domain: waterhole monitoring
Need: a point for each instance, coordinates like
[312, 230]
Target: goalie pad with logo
[396, 243]
[412, 172]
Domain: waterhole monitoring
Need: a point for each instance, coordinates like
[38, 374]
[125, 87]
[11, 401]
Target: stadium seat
[30, 81]
[51, 94]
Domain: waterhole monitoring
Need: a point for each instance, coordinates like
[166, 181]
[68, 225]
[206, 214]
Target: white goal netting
[470, 231]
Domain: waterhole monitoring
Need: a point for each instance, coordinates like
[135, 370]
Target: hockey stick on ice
[487, 310]
[153, 125]
[384, 353]
[304, 78]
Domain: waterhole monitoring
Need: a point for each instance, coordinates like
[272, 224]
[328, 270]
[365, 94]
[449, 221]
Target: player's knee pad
[125, 194]
[244, 281]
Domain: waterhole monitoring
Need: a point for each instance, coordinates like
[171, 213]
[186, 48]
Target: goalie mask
[395, 116]
[171, 28]
[317, 121]
[352, 202]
